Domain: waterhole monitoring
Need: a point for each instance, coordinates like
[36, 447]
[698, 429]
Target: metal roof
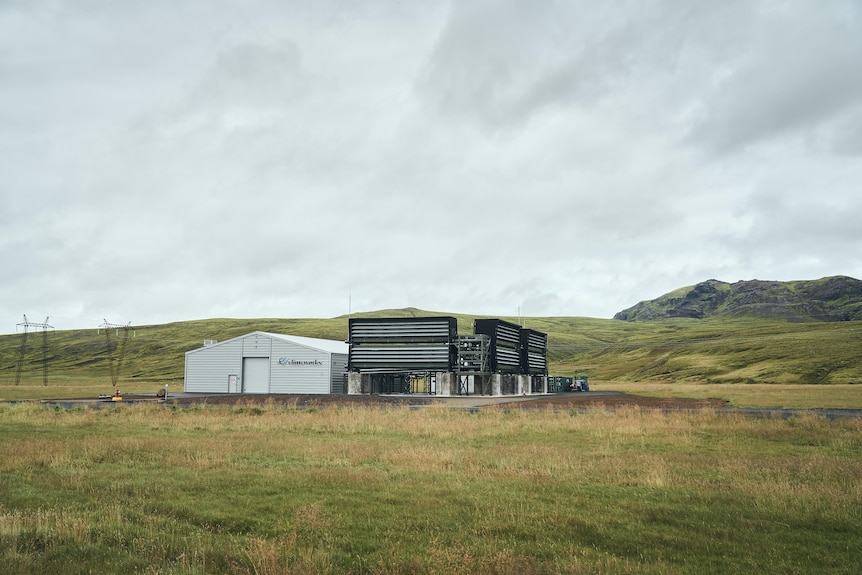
[327, 345]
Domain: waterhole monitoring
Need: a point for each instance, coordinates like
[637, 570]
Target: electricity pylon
[115, 351]
[22, 351]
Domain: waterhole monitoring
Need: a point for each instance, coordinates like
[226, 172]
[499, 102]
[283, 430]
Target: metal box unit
[473, 353]
[560, 383]
[505, 347]
[534, 352]
[402, 344]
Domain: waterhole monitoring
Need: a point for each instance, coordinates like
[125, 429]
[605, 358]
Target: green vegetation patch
[133, 489]
[710, 351]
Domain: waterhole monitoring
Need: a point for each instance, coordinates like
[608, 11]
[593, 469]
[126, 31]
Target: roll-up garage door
[255, 375]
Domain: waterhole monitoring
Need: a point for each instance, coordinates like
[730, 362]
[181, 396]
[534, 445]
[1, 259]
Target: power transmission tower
[22, 351]
[116, 350]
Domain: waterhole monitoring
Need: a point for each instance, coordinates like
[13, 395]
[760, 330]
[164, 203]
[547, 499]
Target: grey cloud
[254, 76]
[844, 136]
[805, 225]
[770, 70]
[275, 157]
[501, 63]
[797, 73]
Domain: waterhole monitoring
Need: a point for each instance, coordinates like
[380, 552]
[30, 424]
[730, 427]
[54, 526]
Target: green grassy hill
[717, 350]
[836, 298]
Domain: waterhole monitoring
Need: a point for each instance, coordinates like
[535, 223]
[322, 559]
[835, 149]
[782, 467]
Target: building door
[255, 375]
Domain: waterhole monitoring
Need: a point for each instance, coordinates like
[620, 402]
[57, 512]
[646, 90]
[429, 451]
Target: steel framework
[22, 351]
[116, 350]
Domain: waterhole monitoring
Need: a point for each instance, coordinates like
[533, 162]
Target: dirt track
[561, 401]
[574, 400]
[555, 401]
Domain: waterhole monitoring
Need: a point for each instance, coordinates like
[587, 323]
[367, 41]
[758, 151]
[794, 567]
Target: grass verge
[795, 396]
[264, 489]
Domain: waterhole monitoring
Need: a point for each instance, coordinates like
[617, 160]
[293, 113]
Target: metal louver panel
[368, 357]
[508, 335]
[534, 352]
[534, 340]
[505, 347]
[502, 333]
[406, 344]
[403, 330]
[537, 361]
[508, 360]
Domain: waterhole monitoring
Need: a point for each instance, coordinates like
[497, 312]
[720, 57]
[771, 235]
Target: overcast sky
[164, 161]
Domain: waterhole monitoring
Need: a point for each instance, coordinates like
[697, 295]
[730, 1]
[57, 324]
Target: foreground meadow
[769, 395]
[268, 489]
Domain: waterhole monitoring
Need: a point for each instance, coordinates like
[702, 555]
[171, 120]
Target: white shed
[262, 362]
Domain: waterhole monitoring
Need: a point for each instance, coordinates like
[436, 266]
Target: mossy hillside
[837, 298]
[716, 350]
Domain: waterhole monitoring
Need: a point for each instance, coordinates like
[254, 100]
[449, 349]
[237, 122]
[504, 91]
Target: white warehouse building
[262, 362]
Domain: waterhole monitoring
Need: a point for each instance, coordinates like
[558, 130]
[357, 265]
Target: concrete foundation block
[354, 383]
[447, 384]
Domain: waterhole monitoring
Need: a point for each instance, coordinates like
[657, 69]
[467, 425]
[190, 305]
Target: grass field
[748, 362]
[793, 396]
[683, 351]
[266, 489]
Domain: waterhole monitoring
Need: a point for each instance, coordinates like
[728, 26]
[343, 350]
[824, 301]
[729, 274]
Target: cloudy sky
[163, 161]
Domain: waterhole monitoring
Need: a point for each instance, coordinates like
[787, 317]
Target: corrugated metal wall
[298, 369]
[208, 368]
[338, 373]
[293, 368]
[256, 345]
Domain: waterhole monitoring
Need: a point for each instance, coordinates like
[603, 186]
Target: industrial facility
[426, 354]
[262, 362]
[381, 356]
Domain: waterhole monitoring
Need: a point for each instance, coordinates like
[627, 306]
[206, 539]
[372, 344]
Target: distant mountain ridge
[836, 298]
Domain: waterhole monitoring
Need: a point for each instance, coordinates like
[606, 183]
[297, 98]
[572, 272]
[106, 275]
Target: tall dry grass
[282, 490]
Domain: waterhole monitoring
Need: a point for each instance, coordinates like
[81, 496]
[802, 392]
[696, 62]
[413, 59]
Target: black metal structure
[504, 349]
[534, 352]
[406, 355]
[390, 383]
[402, 345]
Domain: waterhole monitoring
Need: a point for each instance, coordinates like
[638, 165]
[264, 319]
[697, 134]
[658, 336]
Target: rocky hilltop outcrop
[837, 298]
